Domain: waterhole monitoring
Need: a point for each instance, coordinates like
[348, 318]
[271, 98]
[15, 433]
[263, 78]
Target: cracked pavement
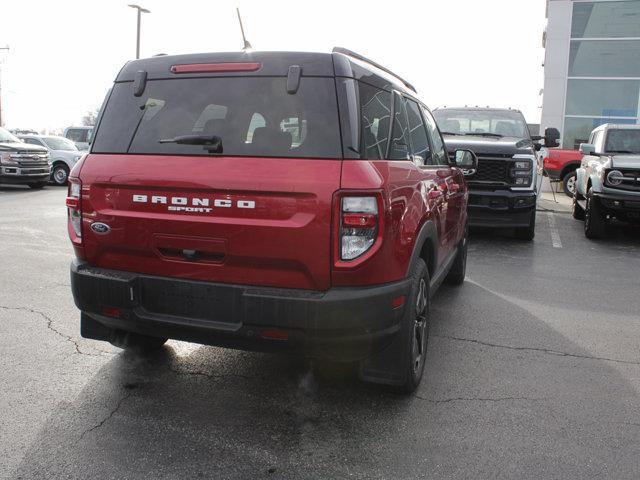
[533, 371]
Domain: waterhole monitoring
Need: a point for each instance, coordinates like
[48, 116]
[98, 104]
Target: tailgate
[237, 220]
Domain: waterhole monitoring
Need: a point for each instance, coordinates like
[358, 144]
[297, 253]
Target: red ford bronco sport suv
[268, 201]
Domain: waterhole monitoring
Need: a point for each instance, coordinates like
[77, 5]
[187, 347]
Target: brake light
[216, 67]
[74, 210]
[359, 226]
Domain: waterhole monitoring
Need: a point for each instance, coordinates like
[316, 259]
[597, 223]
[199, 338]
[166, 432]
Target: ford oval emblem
[100, 228]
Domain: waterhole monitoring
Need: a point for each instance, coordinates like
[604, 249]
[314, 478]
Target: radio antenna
[247, 45]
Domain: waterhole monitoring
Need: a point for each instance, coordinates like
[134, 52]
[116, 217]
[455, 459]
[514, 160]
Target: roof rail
[349, 53]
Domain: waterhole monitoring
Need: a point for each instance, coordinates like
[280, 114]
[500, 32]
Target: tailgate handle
[192, 249]
[191, 255]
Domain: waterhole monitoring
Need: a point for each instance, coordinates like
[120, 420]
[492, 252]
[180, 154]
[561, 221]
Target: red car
[268, 201]
[561, 165]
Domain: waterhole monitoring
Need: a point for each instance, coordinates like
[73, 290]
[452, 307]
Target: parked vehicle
[81, 136]
[63, 154]
[608, 180]
[561, 165]
[21, 163]
[503, 188]
[267, 201]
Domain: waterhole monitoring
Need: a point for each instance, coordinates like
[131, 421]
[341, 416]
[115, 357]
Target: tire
[37, 186]
[577, 211]
[135, 341]
[527, 233]
[569, 183]
[459, 268]
[594, 222]
[415, 330]
[60, 174]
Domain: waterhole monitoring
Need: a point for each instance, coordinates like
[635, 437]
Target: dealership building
[591, 67]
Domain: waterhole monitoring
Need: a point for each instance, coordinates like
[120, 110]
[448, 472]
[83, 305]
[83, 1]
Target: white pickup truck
[608, 179]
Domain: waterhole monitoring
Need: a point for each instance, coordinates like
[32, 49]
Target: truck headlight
[6, 159]
[522, 170]
[615, 178]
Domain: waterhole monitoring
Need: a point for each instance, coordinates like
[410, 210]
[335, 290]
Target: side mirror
[587, 148]
[466, 161]
[551, 137]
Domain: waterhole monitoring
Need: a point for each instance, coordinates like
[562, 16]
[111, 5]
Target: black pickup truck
[22, 163]
[502, 191]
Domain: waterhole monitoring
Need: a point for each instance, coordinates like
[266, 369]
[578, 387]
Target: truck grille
[28, 159]
[631, 185]
[493, 169]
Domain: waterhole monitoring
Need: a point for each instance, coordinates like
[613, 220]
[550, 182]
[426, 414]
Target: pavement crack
[536, 349]
[108, 417]
[49, 325]
[476, 399]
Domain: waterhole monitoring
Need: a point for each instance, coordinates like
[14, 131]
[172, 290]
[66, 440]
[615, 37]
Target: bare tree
[90, 117]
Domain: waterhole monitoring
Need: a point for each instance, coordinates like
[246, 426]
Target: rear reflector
[398, 301]
[274, 334]
[73, 202]
[215, 67]
[111, 312]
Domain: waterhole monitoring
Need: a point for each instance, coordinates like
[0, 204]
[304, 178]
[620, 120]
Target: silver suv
[608, 180]
[64, 154]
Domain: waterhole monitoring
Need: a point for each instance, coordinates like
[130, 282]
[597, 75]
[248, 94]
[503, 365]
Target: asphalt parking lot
[533, 371]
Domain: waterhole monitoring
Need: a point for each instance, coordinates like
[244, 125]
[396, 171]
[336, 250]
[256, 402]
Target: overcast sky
[65, 53]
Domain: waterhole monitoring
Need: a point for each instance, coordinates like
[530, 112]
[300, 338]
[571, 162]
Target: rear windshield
[254, 116]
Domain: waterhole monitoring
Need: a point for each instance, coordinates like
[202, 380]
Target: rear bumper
[501, 208]
[340, 324]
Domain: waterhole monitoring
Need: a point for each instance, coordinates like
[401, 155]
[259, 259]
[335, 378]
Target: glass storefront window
[603, 98]
[577, 130]
[604, 58]
[606, 19]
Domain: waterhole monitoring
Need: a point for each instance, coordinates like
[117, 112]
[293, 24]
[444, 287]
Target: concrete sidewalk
[561, 203]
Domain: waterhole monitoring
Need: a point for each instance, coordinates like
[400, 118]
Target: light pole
[7, 49]
[140, 12]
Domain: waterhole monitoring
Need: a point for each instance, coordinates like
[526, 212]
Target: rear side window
[375, 107]
[400, 137]
[254, 116]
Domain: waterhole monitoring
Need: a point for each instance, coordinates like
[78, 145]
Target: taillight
[359, 226]
[74, 208]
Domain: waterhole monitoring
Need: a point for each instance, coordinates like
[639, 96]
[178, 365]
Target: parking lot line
[555, 236]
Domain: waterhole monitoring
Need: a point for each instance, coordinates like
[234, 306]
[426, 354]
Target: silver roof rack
[349, 53]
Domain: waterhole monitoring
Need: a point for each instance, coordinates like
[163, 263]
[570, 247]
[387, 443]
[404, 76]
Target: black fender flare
[428, 232]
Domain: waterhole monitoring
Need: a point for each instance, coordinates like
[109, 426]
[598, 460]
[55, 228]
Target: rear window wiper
[212, 143]
[484, 134]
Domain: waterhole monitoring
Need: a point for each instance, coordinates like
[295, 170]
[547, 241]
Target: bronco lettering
[195, 202]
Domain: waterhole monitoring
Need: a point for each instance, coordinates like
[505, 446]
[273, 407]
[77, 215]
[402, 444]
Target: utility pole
[1, 122]
[140, 12]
